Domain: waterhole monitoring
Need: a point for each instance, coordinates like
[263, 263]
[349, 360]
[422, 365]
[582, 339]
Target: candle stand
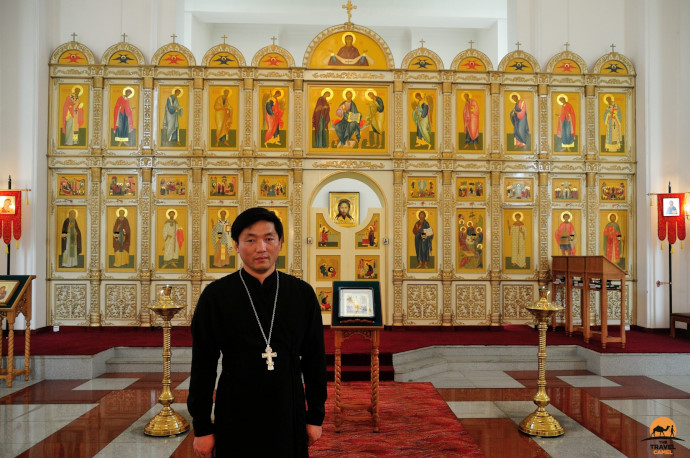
[167, 422]
[540, 422]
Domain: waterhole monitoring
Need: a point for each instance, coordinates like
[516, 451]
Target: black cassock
[258, 412]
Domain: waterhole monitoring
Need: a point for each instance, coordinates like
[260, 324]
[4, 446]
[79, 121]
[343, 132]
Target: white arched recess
[371, 201]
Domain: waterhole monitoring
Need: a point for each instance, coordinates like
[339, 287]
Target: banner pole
[670, 276]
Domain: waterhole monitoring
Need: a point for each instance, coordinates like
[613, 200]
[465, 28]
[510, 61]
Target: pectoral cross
[269, 355]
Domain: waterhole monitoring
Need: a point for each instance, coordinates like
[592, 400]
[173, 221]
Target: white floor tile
[106, 384]
[475, 409]
[583, 381]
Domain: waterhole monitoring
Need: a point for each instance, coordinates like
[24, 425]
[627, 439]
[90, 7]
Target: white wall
[651, 33]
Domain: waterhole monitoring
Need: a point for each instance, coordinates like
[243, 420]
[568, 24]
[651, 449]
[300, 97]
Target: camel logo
[662, 433]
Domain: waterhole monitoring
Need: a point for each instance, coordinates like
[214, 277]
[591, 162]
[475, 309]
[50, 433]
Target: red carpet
[403, 408]
[89, 341]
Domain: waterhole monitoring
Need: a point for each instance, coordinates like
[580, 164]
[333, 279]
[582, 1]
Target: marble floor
[602, 416]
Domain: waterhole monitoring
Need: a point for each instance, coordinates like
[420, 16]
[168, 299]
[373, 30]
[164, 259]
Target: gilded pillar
[95, 247]
[496, 232]
[299, 220]
[448, 221]
[398, 249]
[196, 196]
[147, 111]
[145, 211]
[196, 125]
[544, 205]
[97, 108]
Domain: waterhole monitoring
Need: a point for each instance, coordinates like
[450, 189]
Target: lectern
[357, 311]
[15, 298]
[589, 273]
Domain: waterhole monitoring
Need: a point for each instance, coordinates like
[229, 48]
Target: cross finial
[471, 42]
[566, 44]
[422, 42]
[613, 47]
[74, 36]
[518, 45]
[273, 39]
[124, 37]
[173, 36]
[224, 37]
[349, 7]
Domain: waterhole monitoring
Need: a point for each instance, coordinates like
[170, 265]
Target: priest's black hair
[254, 215]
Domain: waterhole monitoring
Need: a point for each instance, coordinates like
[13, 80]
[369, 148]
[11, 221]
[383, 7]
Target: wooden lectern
[589, 273]
[371, 334]
[357, 310]
[15, 298]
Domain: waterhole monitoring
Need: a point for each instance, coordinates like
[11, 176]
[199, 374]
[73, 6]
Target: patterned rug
[414, 421]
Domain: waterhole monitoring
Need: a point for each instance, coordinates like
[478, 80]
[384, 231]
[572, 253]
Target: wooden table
[372, 409]
[20, 302]
[682, 317]
[590, 273]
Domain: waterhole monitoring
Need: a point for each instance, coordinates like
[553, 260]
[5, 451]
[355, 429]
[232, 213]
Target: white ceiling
[455, 14]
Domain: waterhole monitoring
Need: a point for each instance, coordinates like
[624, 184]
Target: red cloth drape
[9, 219]
[673, 226]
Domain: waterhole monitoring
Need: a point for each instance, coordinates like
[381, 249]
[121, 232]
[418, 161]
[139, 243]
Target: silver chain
[273, 316]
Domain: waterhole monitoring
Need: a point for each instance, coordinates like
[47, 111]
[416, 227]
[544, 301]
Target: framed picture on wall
[613, 190]
[519, 190]
[71, 186]
[344, 208]
[422, 188]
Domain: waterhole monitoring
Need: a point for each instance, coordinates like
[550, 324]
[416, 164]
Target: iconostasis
[452, 185]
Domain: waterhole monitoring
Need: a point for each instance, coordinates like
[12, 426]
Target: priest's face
[258, 246]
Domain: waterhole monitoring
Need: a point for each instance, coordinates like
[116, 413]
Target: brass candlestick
[540, 422]
[167, 422]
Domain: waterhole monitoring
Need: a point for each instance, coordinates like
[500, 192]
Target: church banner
[11, 215]
[671, 217]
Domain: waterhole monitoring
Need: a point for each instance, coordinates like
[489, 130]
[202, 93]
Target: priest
[267, 326]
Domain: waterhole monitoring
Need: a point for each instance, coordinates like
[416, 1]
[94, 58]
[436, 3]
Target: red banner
[671, 212]
[10, 215]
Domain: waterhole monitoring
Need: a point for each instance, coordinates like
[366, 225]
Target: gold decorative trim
[347, 164]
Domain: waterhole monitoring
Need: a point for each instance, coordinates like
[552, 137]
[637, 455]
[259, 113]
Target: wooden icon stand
[357, 311]
[341, 335]
[16, 301]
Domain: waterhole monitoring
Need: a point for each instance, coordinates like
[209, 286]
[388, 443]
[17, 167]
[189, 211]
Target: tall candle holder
[167, 422]
[540, 422]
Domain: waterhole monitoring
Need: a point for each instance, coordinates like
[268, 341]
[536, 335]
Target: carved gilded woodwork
[493, 295]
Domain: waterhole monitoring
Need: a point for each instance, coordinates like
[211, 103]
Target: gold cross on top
[224, 37]
[124, 37]
[173, 36]
[471, 42]
[349, 7]
[613, 47]
[518, 45]
[422, 42]
[74, 36]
